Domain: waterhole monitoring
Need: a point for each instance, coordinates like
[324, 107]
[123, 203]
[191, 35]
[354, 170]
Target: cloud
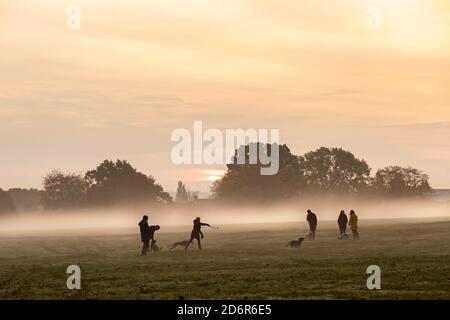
[139, 69]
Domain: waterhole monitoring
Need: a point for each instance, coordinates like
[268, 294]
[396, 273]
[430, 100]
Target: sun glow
[215, 175]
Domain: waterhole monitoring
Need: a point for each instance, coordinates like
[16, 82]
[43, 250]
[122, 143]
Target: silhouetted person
[145, 236]
[312, 220]
[197, 233]
[151, 235]
[342, 222]
[354, 225]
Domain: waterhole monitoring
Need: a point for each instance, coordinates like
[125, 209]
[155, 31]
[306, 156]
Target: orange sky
[137, 70]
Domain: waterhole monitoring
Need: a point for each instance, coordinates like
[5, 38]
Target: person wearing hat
[197, 233]
[145, 235]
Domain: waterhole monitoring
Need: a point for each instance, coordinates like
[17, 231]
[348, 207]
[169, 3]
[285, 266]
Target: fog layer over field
[183, 214]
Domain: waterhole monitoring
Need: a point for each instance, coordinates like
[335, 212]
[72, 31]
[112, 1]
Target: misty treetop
[334, 170]
[244, 181]
[331, 171]
[26, 199]
[119, 182]
[64, 190]
[398, 181]
[108, 184]
[6, 203]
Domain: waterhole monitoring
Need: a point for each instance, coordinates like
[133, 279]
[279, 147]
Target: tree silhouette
[334, 170]
[6, 203]
[399, 181]
[118, 182]
[64, 190]
[26, 199]
[244, 182]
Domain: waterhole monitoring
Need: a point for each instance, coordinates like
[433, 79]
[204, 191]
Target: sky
[138, 70]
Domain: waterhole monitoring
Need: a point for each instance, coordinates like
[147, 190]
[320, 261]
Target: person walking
[311, 217]
[354, 225]
[342, 222]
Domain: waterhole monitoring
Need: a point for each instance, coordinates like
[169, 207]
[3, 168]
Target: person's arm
[205, 224]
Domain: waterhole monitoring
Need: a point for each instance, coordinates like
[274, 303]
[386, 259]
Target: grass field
[238, 262]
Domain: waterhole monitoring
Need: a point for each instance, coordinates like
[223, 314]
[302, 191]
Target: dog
[296, 243]
[154, 247]
[344, 236]
[183, 244]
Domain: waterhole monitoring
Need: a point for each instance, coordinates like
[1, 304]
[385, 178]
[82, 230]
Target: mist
[179, 216]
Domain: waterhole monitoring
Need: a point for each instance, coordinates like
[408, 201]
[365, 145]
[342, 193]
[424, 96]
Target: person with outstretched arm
[197, 233]
[312, 220]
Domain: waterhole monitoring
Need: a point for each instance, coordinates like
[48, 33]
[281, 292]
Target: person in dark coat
[145, 235]
[312, 220]
[342, 222]
[197, 233]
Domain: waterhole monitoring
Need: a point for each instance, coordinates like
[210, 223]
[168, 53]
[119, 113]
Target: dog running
[183, 244]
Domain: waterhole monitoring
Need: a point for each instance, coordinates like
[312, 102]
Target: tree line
[331, 171]
[110, 183]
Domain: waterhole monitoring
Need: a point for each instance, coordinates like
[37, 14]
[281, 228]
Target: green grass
[238, 262]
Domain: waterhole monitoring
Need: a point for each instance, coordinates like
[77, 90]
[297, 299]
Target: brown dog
[183, 244]
[296, 243]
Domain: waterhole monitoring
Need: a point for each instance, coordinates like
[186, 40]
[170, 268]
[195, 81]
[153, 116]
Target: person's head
[197, 219]
[145, 218]
[309, 211]
[352, 212]
[342, 212]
